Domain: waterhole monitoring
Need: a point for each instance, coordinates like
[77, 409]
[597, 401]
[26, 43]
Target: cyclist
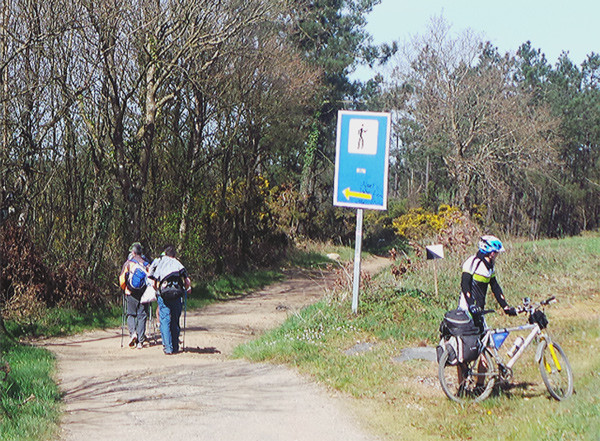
[477, 273]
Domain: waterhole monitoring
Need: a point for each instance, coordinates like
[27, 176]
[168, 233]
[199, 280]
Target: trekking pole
[184, 319]
[123, 320]
[154, 314]
[150, 334]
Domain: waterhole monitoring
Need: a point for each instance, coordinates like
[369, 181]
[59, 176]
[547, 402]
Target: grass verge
[312, 255]
[29, 399]
[403, 400]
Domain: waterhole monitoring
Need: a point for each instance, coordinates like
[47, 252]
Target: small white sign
[435, 252]
[362, 136]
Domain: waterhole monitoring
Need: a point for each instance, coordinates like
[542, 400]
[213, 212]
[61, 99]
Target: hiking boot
[133, 341]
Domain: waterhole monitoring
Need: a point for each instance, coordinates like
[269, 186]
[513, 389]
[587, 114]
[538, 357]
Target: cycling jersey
[477, 274]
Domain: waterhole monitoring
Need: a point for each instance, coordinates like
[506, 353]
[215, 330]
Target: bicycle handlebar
[527, 306]
[549, 300]
[530, 307]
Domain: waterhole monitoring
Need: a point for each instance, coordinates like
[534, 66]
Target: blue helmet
[490, 244]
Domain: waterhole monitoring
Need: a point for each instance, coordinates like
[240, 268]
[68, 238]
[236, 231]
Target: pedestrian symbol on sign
[362, 136]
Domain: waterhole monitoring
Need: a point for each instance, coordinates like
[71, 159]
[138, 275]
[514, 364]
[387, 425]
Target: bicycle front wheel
[468, 382]
[556, 371]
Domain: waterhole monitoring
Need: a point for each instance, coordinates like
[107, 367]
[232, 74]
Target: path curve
[115, 393]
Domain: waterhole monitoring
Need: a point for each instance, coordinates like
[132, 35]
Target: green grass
[403, 400]
[30, 401]
[65, 321]
[314, 255]
[228, 287]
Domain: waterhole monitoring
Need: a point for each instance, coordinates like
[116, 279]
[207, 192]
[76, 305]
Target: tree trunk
[307, 184]
[103, 213]
[192, 157]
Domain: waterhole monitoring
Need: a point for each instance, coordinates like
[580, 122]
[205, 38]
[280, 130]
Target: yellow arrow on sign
[355, 194]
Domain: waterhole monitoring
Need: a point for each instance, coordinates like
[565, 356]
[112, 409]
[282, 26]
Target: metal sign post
[361, 171]
[357, 251]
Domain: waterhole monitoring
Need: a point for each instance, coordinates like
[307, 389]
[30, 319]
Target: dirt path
[115, 393]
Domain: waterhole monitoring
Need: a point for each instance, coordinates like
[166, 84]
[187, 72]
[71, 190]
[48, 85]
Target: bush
[449, 226]
[419, 223]
[379, 233]
[28, 286]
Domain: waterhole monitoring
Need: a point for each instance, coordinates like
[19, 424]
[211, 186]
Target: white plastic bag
[149, 295]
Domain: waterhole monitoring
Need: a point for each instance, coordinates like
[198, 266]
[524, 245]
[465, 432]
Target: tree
[331, 35]
[255, 94]
[573, 94]
[121, 120]
[141, 52]
[32, 105]
[472, 115]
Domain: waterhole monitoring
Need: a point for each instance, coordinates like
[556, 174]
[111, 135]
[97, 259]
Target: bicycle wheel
[468, 382]
[556, 371]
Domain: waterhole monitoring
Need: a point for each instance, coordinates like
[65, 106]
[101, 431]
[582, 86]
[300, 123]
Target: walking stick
[152, 322]
[184, 319]
[123, 320]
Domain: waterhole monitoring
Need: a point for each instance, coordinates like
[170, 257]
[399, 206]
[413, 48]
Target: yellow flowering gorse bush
[419, 223]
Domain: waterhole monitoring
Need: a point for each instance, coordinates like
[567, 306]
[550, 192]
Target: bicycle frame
[491, 346]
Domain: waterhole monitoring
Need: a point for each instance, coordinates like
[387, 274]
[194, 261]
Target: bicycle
[474, 381]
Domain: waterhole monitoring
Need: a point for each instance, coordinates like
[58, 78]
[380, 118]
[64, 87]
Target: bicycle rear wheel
[468, 382]
[556, 371]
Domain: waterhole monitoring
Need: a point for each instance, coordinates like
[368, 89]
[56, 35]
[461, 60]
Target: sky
[553, 26]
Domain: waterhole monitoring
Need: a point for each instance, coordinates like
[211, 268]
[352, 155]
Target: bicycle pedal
[505, 372]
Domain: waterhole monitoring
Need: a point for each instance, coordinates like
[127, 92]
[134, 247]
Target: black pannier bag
[460, 335]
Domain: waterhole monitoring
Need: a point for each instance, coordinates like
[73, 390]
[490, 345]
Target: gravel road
[114, 393]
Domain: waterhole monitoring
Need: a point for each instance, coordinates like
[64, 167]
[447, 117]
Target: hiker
[171, 282]
[477, 273]
[133, 281]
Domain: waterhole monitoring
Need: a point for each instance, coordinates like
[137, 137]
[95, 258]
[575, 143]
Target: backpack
[136, 278]
[460, 336]
[172, 286]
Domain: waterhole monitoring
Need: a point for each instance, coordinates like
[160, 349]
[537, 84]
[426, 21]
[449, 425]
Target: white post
[437, 294]
[357, 251]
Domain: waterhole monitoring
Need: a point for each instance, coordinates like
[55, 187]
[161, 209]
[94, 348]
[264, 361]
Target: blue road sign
[361, 160]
